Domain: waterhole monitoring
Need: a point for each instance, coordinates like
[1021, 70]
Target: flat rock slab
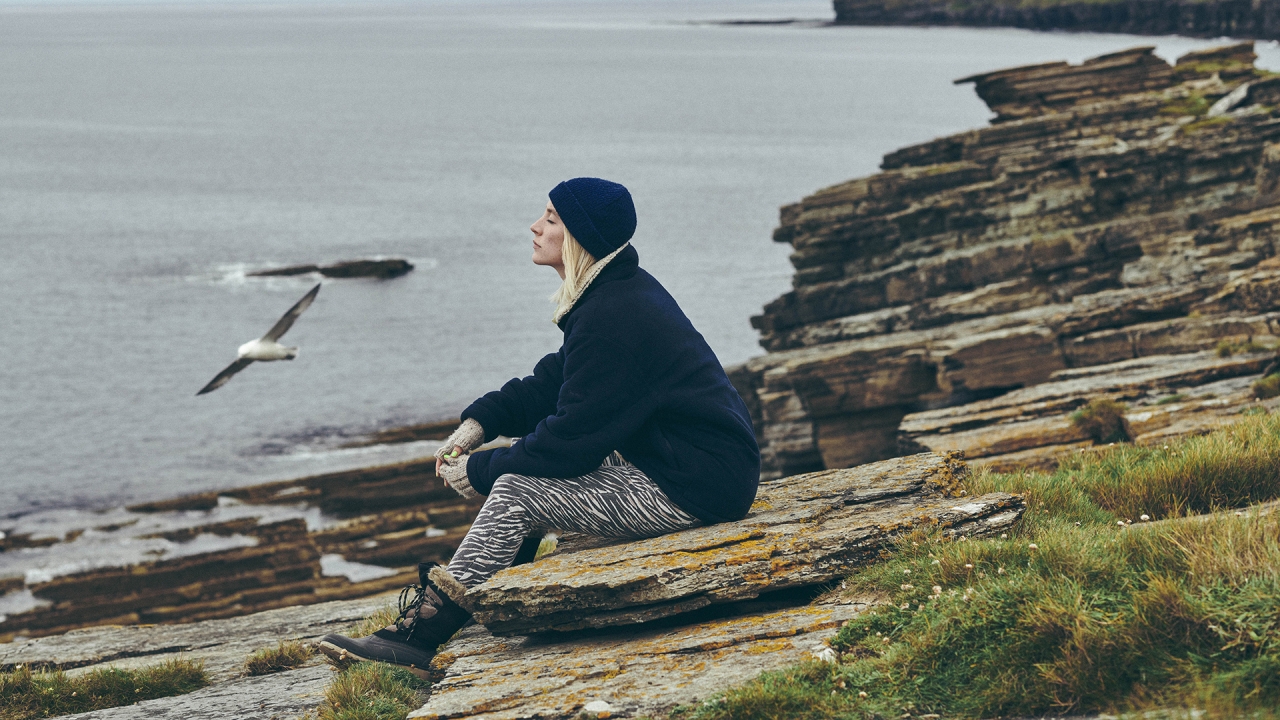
[1168, 397]
[637, 671]
[223, 645]
[282, 696]
[803, 530]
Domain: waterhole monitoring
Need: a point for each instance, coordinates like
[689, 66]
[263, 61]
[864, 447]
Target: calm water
[151, 154]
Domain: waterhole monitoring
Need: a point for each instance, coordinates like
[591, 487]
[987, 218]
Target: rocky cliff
[1116, 210]
[1195, 18]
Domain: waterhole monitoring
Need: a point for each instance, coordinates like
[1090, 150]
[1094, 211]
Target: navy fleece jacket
[633, 375]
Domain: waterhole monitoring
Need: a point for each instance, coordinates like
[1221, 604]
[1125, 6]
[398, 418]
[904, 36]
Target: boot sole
[344, 659]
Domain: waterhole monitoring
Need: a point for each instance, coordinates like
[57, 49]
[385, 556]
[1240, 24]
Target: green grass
[1198, 125]
[1103, 420]
[1169, 399]
[372, 691]
[25, 694]
[1268, 387]
[1192, 104]
[286, 655]
[382, 617]
[1227, 348]
[1082, 608]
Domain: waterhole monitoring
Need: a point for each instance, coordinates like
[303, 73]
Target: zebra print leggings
[615, 500]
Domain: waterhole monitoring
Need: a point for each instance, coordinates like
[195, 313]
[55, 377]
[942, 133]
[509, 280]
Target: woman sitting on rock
[630, 430]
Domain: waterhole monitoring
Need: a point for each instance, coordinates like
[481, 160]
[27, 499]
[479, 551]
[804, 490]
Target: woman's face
[548, 236]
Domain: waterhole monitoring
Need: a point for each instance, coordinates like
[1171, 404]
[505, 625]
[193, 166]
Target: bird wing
[284, 323]
[225, 375]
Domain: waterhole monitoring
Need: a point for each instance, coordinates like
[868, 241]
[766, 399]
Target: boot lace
[407, 622]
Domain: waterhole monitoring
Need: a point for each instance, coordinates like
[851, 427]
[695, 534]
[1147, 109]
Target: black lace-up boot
[428, 618]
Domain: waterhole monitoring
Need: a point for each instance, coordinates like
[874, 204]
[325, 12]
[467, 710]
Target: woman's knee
[507, 487]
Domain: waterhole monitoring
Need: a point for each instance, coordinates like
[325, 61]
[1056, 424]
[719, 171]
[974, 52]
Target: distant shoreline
[1189, 18]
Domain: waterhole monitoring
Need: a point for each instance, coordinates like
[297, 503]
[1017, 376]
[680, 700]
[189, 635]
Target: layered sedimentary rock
[802, 531]
[641, 672]
[1196, 18]
[391, 517]
[221, 645]
[1165, 396]
[1118, 209]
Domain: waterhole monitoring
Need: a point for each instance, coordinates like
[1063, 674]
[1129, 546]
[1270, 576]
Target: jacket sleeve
[600, 404]
[522, 403]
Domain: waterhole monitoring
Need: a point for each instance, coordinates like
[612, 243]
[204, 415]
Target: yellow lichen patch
[767, 646]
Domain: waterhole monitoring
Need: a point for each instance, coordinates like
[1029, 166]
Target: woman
[630, 430]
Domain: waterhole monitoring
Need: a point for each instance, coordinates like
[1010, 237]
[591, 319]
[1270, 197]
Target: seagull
[264, 348]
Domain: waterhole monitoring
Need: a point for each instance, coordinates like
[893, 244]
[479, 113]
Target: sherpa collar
[591, 277]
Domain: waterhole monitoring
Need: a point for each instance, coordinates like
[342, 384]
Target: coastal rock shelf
[384, 520]
[222, 645]
[1193, 18]
[642, 672]
[1122, 208]
[1167, 396]
[803, 531]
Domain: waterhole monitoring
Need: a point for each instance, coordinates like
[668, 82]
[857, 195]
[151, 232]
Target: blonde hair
[577, 274]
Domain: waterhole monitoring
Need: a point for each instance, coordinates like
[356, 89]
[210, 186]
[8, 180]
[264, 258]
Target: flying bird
[266, 347]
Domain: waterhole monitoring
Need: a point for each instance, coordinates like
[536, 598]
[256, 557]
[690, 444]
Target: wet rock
[802, 531]
[381, 269]
[639, 672]
[392, 517]
[1101, 219]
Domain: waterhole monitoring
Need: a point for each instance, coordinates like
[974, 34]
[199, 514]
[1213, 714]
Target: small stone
[862, 693]
[1144, 517]
[600, 708]
[1033, 546]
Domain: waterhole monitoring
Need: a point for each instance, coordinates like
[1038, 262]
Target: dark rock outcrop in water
[1118, 209]
[1259, 19]
[381, 269]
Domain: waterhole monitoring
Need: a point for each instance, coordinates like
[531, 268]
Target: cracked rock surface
[802, 531]
[638, 672]
[223, 644]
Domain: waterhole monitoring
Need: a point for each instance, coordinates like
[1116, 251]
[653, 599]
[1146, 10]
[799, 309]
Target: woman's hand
[452, 468]
[440, 456]
[468, 437]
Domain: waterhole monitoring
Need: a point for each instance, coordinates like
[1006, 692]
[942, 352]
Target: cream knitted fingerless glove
[468, 436]
[454, 472]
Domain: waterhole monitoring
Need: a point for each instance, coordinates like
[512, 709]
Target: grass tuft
[1268, 387]
[27, 694]
[381, 618]
[1227, 348]
[372, 691]
[1170, 399]
[1103, 420]
[1082, 607]
[288, 654]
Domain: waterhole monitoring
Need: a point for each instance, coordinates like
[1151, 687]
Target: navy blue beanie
[598, 213]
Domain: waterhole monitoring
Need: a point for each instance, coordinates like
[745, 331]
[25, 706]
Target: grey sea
[151, 155]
